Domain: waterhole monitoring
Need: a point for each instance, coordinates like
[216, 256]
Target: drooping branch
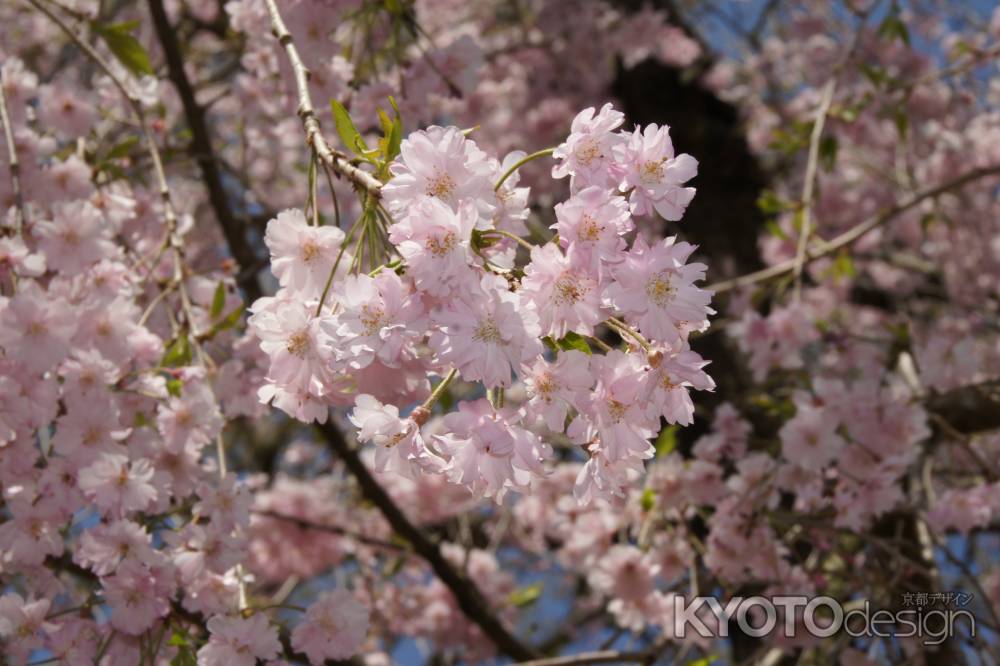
[853, 234]
[470, 599]
[135, 104]
[335, 160]
[13, 165]
[201, 150]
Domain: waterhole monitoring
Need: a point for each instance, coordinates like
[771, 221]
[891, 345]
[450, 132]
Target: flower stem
[628, 330]
[439, 389]
[521, 162]
[525, 244]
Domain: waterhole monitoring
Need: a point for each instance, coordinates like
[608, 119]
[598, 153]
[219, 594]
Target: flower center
[569, 290]
[488, 332]
[70, 237]
[659, 289]
[667, 382]
[441, 186]
[310, 251]
[545, 386]
[616, 410]
[439, 247]
[372, 317]
[652, 172]
[37, 329]
[184, 417]
[587, 152]
[590, 229]
[91, 437]
[298, 343]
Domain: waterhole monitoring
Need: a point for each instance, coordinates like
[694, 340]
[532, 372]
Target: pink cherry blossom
[489, 453]
[654, 175]
[138, 596]
[654, 288]
[442, 164]
[75, 238]
[563, 290]
[302, 256]
[486, 334]
[590, 152]
[674, 371]
[554, 388]
[435, 243]
[238, 641]
[594, 221]
[400, 448]
[117, 485]
[333, 627]
[810, 439]
[614, 415]
[377, 317]
[41, 324]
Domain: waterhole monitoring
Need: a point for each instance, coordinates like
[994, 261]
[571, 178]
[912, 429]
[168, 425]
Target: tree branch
[12, 164]
[854, 233]
[335, 160]
[470, 598]
[201, 150]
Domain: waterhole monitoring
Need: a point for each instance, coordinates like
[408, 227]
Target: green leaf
[828, 152]
[876, 75]
[666, 442]
[345, 128]
[174, 387]
[124, 46]
[775, 230]
[843, 266]
[185, 657]
[227, 322]
[218, 300]
[524, 596]
[703, 661]
[892, 27]
[178, 353]
[648, 499]
[574, 341]
[770, 203]
[396, 137]
[123, 147]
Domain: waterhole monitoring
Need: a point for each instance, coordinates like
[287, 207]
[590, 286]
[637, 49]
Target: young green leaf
[345, 128]
[178, 353]
[218, 300]
[124, 46]
[524, 596]
[574, 341]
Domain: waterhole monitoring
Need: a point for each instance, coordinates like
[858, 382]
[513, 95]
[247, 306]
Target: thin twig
[21, 217]
[330, 529]
[809, 187]
[850, 236]
[336, 160]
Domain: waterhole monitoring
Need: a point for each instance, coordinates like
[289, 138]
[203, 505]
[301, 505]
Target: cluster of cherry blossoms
[118, 513]
[455, 301]
[487, 322]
